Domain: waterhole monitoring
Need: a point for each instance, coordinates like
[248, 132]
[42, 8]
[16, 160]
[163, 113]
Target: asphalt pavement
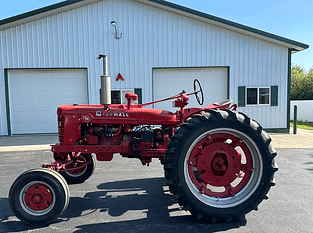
[124, 196]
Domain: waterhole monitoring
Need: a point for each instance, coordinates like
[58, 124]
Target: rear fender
[224, 104]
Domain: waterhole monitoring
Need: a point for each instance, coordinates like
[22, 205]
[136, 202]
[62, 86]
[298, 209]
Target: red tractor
[219, 164]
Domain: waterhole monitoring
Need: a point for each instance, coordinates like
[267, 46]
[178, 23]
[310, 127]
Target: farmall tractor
[218, 163]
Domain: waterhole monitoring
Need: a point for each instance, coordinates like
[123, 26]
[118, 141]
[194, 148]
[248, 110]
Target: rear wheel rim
[37, 198]
[223, 167]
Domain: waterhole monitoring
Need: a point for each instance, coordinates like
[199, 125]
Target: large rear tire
[220, 165]
[39, 196]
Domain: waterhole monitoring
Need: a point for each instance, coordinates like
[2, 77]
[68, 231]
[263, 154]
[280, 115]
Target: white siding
[304, 110]
[152, 38]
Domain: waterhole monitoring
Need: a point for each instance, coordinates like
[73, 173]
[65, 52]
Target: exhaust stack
[105, 92]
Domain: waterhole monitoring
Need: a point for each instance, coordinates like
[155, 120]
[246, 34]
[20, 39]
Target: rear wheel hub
[219, 164]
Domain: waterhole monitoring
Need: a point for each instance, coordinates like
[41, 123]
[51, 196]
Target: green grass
[303, 125]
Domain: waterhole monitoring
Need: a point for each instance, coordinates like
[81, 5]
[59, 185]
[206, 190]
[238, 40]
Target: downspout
[7, 101]
[288, 91]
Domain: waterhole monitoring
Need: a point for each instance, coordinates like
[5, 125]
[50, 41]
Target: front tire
[39, 196]
[77, 176]
[220, 165]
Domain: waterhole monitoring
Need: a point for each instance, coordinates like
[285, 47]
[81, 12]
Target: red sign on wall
[119, 77]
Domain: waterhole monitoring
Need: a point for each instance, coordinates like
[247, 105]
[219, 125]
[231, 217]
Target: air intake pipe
[105, 92]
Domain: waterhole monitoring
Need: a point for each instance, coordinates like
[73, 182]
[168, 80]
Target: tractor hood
[118, 114]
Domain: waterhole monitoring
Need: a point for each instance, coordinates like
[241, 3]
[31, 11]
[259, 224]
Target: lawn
[303, 125]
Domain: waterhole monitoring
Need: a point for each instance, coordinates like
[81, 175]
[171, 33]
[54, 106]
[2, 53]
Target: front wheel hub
[219, 164]
[38, 197]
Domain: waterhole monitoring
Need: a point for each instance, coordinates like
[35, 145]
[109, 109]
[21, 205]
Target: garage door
[34, 96]
[168, 82]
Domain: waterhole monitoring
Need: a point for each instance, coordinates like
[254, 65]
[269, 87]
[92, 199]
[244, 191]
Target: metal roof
[227, 24]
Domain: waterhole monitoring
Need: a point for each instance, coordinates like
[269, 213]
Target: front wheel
[80, 170]
[39, 196]
[220, 165]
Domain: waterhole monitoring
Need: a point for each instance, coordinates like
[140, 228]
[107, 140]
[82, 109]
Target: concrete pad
[303, 139]
[31, 142]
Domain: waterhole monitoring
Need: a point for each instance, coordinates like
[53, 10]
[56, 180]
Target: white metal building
[49, 56]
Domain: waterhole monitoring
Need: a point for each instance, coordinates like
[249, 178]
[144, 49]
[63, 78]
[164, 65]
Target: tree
[301, 83]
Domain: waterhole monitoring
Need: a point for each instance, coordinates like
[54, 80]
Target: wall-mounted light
[113, 23]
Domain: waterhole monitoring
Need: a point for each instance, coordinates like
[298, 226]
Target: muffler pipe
[105, 92]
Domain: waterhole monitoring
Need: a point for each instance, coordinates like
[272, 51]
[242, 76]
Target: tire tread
[210, 118]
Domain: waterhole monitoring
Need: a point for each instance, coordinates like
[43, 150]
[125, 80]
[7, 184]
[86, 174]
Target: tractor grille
[61, 120]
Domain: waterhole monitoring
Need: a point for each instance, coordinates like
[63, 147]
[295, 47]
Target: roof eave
[224, 23]
[40, 13]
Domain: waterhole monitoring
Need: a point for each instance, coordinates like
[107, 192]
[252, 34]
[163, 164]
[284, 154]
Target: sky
[292, 19]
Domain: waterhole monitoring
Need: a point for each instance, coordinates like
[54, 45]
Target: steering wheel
[195, 84]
